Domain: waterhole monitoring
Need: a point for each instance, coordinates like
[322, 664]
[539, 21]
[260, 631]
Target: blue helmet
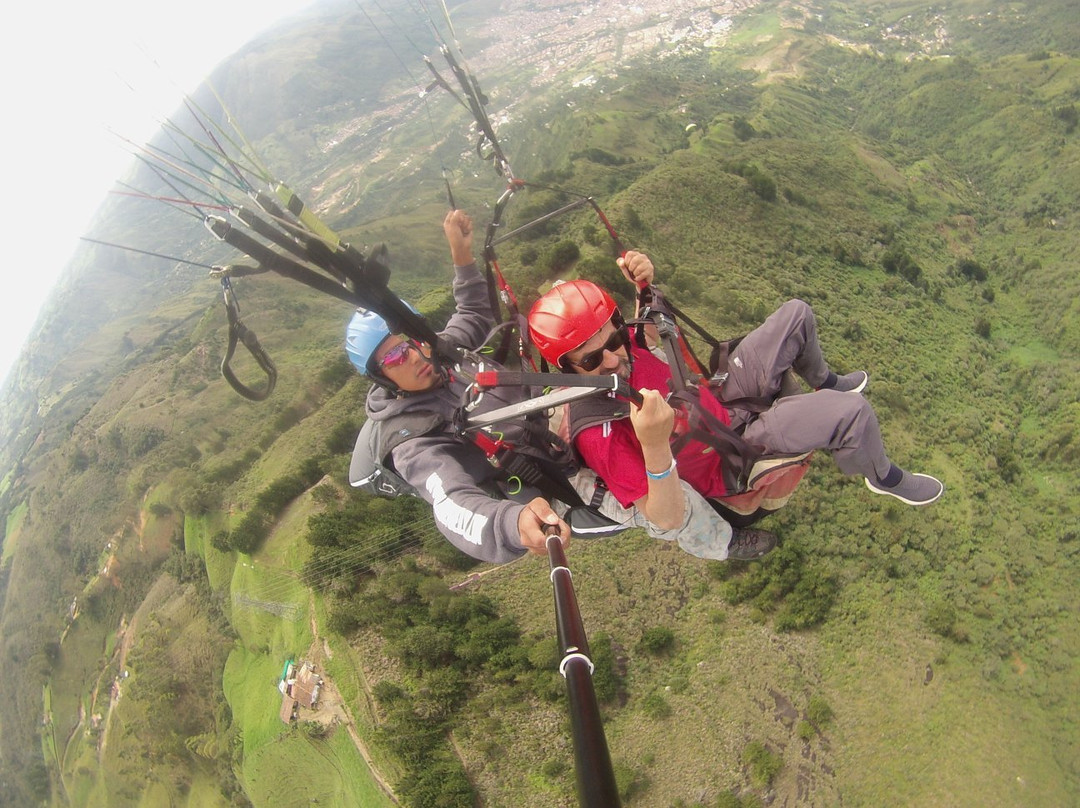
[363, 336]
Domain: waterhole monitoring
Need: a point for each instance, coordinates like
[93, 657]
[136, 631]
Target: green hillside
[910, 172]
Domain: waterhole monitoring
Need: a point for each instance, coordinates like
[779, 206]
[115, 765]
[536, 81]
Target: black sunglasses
[592, 360]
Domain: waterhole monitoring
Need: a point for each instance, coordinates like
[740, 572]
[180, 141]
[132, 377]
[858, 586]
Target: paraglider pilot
[413, 402]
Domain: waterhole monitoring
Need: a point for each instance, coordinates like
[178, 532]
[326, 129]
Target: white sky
[72, 70]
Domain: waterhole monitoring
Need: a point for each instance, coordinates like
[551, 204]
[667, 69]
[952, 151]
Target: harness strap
[739, 454]
[513, 462]
[239, 333]
[651, 302]
[598, 494]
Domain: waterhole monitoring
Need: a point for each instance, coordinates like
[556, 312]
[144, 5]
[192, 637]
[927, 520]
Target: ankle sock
[893, 478]
[830, 381]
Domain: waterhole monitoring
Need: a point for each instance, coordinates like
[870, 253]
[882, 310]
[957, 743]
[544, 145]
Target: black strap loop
[239, 333]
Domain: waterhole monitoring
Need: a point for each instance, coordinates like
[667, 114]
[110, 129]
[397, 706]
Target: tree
[743, 130]
[971, 269]
[342, 437]
[562, 257]
[441, 783]
[762, 184]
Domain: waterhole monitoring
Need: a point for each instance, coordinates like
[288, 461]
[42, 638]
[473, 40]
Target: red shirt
[612, 449]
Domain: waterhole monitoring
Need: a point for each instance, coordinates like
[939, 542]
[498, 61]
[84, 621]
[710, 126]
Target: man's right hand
[653, 420]
[532, 520]
[665, 504]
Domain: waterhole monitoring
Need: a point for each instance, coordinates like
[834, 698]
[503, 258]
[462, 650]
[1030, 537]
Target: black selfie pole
[592, 763]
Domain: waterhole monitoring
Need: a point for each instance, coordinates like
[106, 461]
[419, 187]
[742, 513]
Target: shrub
[940, 618]
[799, 590]
[628, 782]
[655, 705]
[600, 156]
[544, 654]
[342, 437]
[278, 494]
[728, 799]
[336, 373]
[762, 184]
[1069, 115]
[897, 261]
[387, 693]
[606, 680]
[809, 601]
[743, 129]
[314, 730]
[658, 640]
[288, 418]
[818, 711]
[220, 541]
[972, 270]
[553, 768]
[764, 765]
[247, 536]
[143, 439]
[160, 509]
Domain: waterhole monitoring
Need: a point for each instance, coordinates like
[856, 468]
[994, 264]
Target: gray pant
[703, 532]
[843, 423]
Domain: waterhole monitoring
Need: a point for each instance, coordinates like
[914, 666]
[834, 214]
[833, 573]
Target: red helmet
[567, 316]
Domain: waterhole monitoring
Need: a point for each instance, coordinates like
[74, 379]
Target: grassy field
[11, 531]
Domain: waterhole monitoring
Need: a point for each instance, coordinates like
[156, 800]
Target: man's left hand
[637, 268]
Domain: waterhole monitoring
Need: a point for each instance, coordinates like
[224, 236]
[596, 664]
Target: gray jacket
[465, 491]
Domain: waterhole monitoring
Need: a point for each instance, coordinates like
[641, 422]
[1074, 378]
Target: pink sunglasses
[396, 355]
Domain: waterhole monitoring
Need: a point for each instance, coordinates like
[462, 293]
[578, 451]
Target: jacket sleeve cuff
[507, 527]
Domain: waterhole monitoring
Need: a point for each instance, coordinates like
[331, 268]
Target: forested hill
[910, 171]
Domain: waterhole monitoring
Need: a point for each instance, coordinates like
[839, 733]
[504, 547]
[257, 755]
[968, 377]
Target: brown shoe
[750, 544]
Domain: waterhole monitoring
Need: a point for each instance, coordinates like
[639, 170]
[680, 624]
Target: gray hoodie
[454, 476]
